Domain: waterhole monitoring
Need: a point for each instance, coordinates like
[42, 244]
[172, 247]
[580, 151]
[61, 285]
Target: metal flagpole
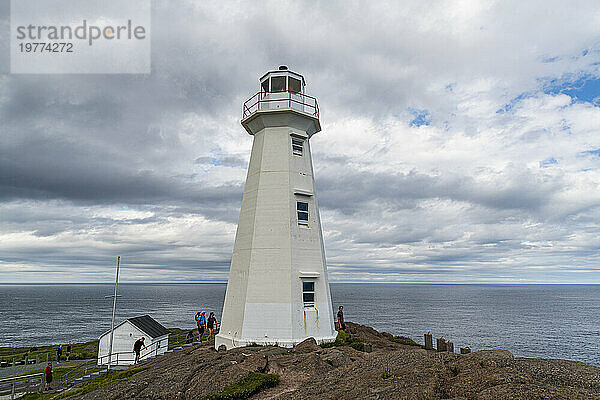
[112, 324]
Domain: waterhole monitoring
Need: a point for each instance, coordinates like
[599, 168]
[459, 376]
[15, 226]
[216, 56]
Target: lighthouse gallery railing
[281, 100]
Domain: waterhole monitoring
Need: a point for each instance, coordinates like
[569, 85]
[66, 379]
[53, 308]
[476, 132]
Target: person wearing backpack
[201, 322]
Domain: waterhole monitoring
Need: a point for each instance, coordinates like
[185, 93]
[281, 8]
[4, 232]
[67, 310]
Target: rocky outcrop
[390, 371]
[307, 346]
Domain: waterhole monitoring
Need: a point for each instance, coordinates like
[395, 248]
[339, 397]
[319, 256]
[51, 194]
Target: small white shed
[156, 339]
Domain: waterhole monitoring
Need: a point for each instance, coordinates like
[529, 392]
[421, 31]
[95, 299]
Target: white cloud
[497, 188]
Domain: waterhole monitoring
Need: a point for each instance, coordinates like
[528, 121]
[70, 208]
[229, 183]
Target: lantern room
[281, 90]
[282, 80]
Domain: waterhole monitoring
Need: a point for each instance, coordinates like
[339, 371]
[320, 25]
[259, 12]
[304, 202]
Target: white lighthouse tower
[278, 292]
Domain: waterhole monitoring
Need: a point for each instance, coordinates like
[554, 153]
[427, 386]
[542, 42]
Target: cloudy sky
[460, 143]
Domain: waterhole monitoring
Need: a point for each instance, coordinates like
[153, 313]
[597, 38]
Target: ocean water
[550, 321]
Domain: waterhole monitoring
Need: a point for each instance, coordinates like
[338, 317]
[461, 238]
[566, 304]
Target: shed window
[294, 85]
[297, 146]
[308, 293]
[302, 210]
[278, 84]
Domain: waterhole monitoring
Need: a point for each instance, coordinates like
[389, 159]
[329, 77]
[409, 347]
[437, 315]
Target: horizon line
[335, 282]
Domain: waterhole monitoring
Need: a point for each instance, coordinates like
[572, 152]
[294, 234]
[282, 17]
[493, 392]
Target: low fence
[21, 384]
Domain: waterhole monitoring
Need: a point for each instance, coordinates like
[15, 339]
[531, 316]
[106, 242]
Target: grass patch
[344, 339]
[404, 340]
[35, 396]
[103, 380]
[181, 335]
[107, 379]
[59, 371]
[251, 384]
[79, 351]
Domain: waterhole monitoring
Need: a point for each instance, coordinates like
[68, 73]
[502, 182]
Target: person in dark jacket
[212, 324]
[137, 348]
[340, 317]
[58, 353]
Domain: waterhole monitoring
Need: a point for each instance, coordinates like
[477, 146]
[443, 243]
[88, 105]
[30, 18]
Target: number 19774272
[40, 47]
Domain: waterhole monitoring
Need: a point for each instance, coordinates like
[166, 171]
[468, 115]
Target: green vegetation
[59, 371]
[345, 339]
[254, 344]
[107, 379]
[251, 384]
[181, 334]
[79, 351]
[404, 340]
[35, 396]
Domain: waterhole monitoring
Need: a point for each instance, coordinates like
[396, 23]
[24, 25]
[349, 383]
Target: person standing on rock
[340, 317]
[48, 376]
[137, 348]
[201, 321]
[212, 324]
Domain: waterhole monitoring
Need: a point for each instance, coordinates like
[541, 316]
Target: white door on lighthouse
[310, 312]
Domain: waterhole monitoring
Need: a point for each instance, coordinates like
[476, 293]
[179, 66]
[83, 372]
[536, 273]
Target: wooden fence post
[441, 344]
[428, 341]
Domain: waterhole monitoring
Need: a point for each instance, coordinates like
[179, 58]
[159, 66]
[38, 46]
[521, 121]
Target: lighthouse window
[265, 85]
[308, 286]
[302, 209]
[294, 85]
[308, 293]
[297, 145]
[278, 84]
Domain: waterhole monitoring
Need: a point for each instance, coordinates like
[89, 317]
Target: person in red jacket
[48, 376]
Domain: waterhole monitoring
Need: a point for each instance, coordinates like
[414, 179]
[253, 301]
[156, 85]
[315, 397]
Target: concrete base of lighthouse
[230, 342]
[283, 325]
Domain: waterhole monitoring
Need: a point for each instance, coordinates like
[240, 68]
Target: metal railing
[284, 99]
[34, 382]
[79, 371]
[151, 351]
[23, 383]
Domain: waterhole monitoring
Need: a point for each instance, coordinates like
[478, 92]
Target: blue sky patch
[508, 107]
[546, 60]
[593, 152]
[421, 117]
[548, 162]
[581, 89]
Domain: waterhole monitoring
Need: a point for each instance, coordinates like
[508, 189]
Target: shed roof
[149, 326]
[146, 324]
